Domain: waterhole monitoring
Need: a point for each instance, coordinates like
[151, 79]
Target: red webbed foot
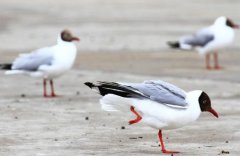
[170, 152]
[138, 116]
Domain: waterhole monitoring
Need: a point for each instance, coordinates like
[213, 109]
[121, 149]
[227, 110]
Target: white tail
[112, 102]
[11, 72]
[185, 46]
[32, 74]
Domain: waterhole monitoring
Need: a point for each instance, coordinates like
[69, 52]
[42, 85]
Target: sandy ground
[32, 125]
[121, 41]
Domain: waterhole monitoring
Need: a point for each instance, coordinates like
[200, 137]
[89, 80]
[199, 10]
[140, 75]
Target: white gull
[48, 62]
[209, 40]
[158, 104]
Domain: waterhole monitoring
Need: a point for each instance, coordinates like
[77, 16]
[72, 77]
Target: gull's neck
[61, 42]
[220, 22]
[194, 107]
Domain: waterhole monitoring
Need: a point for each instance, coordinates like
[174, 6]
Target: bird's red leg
[162, 144]
[208, 62]
[138, 118]
[52, 89]
[216, 64]
[44, 87]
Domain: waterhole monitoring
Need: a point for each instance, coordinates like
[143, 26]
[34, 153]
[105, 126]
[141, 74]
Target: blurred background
[115, 28]
[108, 25]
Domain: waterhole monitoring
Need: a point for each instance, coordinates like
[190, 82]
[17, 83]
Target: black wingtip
[174, 44]
[89, 84]
[6, 66]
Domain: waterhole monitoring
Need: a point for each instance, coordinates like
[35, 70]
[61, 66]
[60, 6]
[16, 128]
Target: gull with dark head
[209, 40]
[48, 62]
[158, 104]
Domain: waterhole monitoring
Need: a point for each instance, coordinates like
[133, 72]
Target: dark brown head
[67, 36]
[205, 104]
[231, 24]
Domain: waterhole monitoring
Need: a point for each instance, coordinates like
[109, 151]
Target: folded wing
[158, 91]
[200, 38]
[32, 61]
[162, 92]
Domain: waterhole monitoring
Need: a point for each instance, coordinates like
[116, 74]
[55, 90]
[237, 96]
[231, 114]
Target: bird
[157, 103]
[209, 40]
[47, 62]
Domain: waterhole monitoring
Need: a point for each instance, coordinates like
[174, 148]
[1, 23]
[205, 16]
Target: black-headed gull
[209, 40]
[47, 62]
[159, 104]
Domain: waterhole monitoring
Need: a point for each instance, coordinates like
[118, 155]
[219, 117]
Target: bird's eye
[204, 101]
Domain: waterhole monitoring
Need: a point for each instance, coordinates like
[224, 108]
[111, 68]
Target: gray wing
[200, 38]
[162, 92]
[32, 61]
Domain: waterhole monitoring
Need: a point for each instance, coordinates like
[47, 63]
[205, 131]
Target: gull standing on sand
[158, 104]
[209, 40]
[48, 62]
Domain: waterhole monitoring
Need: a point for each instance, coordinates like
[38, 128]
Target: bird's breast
[65, 57]
[161, 116]
[225, 35]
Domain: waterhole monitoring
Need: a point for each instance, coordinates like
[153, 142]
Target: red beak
[75, 39]
[236, 26]
[213, 112]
